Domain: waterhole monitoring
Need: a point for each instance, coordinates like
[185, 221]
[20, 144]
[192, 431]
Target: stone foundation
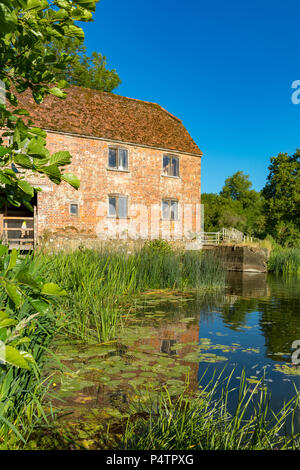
[242, 258]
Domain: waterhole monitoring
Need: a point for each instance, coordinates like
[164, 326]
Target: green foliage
[237, 187]
[26, 328]
[236, 206]
[82, 70]
[284, 261]
[24, 64]
[157, 246]
[204, 422]
[99, 283]
[26, 325]
[282, 199]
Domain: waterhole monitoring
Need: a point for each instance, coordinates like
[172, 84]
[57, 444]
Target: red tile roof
[109, 116]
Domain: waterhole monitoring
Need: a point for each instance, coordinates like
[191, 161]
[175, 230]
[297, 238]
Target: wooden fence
[230, 235]
[19, 232]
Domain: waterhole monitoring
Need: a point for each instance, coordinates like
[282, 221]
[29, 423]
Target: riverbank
[127, 339]
[284, 261]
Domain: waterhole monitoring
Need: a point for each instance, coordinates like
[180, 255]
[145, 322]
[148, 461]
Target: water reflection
[265, 318]
[251, 325]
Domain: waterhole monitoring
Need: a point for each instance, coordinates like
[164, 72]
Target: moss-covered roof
[110, 116]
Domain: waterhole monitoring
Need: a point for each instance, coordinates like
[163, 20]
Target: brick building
[139, 169]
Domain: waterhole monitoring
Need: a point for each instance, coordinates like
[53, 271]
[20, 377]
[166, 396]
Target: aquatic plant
[27, 325]
[284, 261]
[100, 283]
[204, 423]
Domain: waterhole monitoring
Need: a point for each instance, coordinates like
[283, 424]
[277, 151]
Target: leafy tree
[220, 211]
[82, 70]
[24, 64]
[236, 186]
[282, 198]
[236, 206]
[25, 26]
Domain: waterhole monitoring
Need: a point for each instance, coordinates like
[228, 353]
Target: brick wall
[143, 184]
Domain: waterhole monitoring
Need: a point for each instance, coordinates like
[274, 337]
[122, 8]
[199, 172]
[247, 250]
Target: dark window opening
[74, 210]
[170, 165]
[118, 207]
[118, 158]
[170, 209]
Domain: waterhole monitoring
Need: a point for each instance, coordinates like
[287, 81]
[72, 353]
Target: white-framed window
[74, 209]
[170, 209]
[170, 165]
[117, 158]
[118, 206]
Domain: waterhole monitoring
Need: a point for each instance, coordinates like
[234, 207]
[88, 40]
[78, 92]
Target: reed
[22, 391]
[100, 282]
[204, 423]
[284, 261]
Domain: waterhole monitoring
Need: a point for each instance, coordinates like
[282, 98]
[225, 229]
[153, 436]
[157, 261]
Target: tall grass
[22, 391]
[284, 261]
[100, 283]
[205, 423]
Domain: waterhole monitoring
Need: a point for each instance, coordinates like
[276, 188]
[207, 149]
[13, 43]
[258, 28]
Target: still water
[250, 325]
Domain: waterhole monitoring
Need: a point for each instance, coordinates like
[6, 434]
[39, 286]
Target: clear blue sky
[224, 67]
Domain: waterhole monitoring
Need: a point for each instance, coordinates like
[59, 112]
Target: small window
[74, 209]
[118, 158]
[117, 207]
[170, 209]
[170, 165]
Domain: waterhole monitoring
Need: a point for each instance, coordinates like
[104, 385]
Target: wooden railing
[230, 235]
[210, 238]
[19, 232]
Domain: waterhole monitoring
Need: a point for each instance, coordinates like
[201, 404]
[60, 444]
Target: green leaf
[14, 294]
[38, 131]
[14, 357]
[7, 322]
[8, 19]
[23, 160]
[40, 305]
[74, 31]
[3, 151]
[21, 112]
[12, 260]
[57, 92]
[71, 179]
[4, 179]
[88, 4]
[36, 5]
[60, 158]
[24, 340]
[3, 250]
[37, 147]
[28, 357]
[53, 289]
[24, 277]
[53, 172]
[26, 187]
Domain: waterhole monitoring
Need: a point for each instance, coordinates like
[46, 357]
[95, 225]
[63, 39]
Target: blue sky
[224, 67]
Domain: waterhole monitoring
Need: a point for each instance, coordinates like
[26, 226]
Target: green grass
[284, 261]
[204, 423]
[22, 391]
[100, 286]
[101, 283]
